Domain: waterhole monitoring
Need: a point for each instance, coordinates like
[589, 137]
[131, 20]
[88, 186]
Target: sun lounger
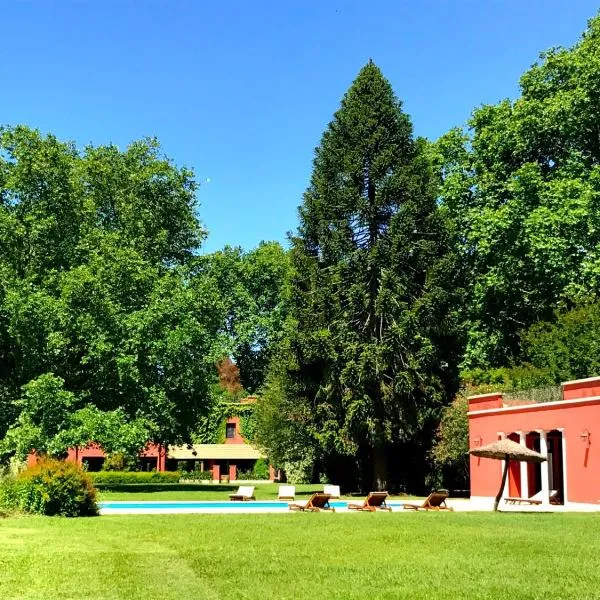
[435, 501]
[373, 502]
[245, 492]
[332, 490]
[535, 500]
[315, 503]
[287, 492]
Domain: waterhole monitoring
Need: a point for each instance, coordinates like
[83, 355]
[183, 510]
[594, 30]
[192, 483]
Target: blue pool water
[208, 506]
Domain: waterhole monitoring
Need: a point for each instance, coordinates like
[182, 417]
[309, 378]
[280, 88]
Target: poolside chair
[287, 492]
[535, 500]
[315, 503]
[245, 492]
[374, 501]
[332, 490]
[435, 501]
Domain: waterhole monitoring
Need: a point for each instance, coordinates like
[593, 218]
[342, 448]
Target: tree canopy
[370, 350]
[97, 290]
[523, 183]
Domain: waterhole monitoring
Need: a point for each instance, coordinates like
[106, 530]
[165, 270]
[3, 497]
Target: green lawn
[264, 491]
[303, 556]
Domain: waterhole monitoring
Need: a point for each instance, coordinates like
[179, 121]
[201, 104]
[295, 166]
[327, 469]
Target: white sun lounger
[245, 492]
[287, 492]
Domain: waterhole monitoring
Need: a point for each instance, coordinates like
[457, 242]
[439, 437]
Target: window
[230, 430]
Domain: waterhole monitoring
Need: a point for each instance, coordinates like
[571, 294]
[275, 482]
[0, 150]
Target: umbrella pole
[504, 474]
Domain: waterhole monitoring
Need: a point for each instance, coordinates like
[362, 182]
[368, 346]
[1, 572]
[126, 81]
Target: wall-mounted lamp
[477, 441]
[584, 436]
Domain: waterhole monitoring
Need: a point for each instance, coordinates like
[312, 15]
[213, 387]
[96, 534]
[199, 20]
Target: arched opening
[555, 466]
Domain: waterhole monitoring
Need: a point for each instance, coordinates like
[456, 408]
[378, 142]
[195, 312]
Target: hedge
[107, 478]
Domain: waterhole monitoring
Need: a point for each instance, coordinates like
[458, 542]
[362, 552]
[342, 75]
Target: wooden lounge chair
[535, 500]
[245, 492]
[435, 501]
[315, 503]
[374, 501]
[287, 492]
[332, 490]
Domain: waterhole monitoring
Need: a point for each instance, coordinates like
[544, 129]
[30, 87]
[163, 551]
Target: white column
[544, 468]
[524, 467]
[564, 466]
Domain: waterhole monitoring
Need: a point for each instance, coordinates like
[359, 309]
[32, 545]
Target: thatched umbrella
[507, 450]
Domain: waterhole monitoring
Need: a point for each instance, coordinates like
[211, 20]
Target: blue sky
[241, 91]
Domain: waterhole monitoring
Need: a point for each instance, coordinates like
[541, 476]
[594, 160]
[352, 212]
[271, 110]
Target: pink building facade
[563, 430]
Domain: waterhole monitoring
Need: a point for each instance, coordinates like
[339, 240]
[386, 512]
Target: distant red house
[563, 430]
[224, 460]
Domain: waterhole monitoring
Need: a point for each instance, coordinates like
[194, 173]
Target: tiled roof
[214, 451]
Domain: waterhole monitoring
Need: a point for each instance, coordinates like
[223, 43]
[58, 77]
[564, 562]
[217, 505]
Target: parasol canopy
[507, 450]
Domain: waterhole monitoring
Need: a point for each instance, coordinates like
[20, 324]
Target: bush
[260, 471]
[109, 478]
[196, 475]
[299, 471]
[50, 487]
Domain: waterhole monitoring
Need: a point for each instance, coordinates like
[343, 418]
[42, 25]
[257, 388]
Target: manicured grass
[335, 556]
[264, 491]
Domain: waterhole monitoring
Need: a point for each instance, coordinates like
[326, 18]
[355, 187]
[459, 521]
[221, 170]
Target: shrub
[196, 475]
[261, 469]
[50, 487]
[299, 471]
[109, 478]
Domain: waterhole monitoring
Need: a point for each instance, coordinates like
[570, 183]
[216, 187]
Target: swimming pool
[208, 506]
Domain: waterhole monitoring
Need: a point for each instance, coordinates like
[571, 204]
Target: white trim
[524, 467]
[525, 407]
[580, 381]
[545, 472]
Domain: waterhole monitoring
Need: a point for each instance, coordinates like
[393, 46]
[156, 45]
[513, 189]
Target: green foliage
[569, 347]
[506, 379]
[300, 471]
[211, 428]
[451, 447]
[195, 475]
[372, 348]
[46, 425]
[51, 487]
[260, 471]
[104, 306]
[252, 286]
[523, 186]
[102, 479]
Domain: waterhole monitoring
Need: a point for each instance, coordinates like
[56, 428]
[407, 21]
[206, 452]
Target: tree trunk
[380, 470]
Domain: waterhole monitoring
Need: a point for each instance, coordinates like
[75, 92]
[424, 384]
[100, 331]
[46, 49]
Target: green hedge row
[104, 478]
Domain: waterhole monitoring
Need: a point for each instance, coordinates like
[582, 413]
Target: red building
[563, 430]
[224, 460]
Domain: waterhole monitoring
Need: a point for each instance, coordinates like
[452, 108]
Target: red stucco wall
[581, 388]
[237, 439]
[575, 418]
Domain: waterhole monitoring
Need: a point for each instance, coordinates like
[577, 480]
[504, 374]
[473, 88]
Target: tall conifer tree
[371, 345]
